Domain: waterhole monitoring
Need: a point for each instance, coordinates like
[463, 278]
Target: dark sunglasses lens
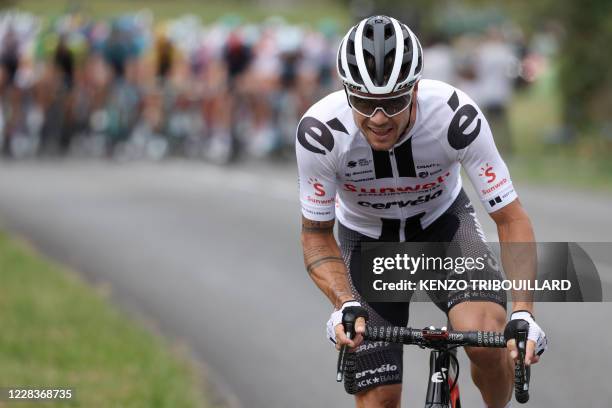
[362, 105]
[391, 106]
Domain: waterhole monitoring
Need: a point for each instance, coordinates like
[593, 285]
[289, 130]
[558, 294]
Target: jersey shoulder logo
[463, 119]
[319, 132]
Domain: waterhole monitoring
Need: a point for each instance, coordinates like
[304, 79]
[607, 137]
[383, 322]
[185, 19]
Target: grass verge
[55, 331]
[535, 116]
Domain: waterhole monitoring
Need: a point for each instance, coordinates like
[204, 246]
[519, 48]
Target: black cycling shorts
[380, 363]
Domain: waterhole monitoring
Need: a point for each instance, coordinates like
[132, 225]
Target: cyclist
[384, 156]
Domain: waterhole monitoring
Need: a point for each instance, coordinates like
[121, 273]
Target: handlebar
[441, 339]
[432, 337]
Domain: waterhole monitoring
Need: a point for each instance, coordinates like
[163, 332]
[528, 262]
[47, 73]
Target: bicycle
[442, 388]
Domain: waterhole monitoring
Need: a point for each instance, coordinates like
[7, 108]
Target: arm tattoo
[315, 251]
[317, 227]
[320, 261]
[320, 252]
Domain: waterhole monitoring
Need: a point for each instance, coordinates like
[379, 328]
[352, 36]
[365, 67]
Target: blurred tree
[585, 77]
[418, 14]
[585, 74]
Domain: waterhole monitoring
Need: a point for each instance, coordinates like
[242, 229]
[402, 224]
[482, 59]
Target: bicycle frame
[441, 378]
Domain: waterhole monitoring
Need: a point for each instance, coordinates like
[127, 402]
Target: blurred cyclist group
[132, 87]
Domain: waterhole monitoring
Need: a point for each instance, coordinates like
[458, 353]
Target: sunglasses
[368, 105]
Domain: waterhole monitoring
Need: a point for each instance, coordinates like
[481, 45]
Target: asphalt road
[211, 256]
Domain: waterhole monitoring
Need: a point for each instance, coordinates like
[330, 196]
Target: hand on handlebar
[353, 316]
[342, 340]
[536, 338]
[530, 356]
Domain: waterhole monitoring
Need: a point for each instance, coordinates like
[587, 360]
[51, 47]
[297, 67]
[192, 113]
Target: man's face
[381, 131]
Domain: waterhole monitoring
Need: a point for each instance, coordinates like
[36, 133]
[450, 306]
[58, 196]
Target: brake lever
[350, 330]
[521, 371]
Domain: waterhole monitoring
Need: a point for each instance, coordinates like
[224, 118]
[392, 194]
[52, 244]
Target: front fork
[441, 376]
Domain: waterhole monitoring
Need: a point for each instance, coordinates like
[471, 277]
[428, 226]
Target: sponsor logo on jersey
[465, 125]
[488, 173]
[315, 213]
[399, 189]
[383, 379]
[428, 166]
[423, 174]
[361, 179]
[318, 187]
[315, 200]
[319, 191]
[402, 203]
[356, 173]
[361, 162]
[371, 345]
[503, 182]
[385, 368]
[499, 199]
[311, 129]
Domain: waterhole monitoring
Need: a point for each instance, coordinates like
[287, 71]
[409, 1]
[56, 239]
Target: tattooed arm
[324, 262]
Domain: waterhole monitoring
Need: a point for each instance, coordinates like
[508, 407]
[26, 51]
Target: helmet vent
[342, 73]
[388, 31]
[419, 64]
[404, 70]
[355, 73]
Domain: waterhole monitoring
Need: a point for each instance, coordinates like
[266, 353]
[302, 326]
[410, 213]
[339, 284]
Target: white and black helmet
[380, 55]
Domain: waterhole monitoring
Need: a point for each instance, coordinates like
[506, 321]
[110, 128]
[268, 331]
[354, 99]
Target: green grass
[208, 10]
[55, 331]
[534, 117]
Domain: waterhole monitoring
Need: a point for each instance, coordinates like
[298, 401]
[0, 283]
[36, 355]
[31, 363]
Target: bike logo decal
[438, 377]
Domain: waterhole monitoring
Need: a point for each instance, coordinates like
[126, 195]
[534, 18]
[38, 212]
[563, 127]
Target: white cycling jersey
[382, 193]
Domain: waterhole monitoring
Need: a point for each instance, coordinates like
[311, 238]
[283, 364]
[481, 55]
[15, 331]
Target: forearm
[519, 256]
[323, 261]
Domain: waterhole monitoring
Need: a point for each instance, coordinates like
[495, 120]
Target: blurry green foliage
[208, 11]
[585, 77]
